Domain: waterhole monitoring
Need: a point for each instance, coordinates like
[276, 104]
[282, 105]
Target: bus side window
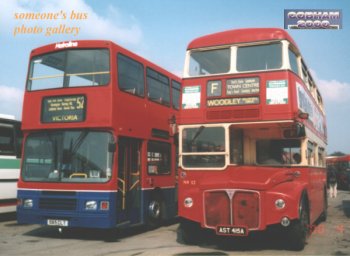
[7, 141]
[130, 75]
[310, 153]
[176, 87]
[158, 158]
[293, 61]
[236, 146]
[158, 87]
[321, 157]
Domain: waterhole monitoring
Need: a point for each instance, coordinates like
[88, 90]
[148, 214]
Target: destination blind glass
[63, 109]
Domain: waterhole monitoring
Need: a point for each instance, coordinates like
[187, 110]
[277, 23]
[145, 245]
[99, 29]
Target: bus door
[129, 174]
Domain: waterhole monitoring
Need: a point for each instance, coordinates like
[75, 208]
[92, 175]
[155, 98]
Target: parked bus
[10, 152]
[252, 137]
[99, 149]
[341, 166]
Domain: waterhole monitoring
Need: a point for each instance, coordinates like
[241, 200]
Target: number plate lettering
[60, 223]
[231, 231]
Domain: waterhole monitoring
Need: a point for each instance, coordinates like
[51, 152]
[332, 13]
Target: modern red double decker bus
[99, 148]
[252, 137]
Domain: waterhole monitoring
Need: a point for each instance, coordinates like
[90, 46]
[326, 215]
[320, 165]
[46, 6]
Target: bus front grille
[231, 207]
[57, 203]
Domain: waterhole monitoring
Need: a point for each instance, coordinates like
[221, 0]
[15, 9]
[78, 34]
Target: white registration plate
[231, 231]
[60, 223]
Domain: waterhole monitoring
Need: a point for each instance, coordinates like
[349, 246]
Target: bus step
[122, 224]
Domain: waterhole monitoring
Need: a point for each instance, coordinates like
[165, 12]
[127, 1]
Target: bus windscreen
[68, 156]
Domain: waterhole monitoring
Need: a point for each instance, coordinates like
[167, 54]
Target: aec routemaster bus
[10, 153]
[341, 166]
[99, 126]
[252, 137]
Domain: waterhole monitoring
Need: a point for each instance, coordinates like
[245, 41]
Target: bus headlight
[280, 203]
[28, 203]
[91, 205]
[188, 202]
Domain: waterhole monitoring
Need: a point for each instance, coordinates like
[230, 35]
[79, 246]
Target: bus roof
[8, 117]
[332, 159]
[92, 44]
[71, 45]
[240, 36]
[6, 120]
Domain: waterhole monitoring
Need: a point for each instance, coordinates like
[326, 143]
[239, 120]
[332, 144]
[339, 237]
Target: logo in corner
[313, 19]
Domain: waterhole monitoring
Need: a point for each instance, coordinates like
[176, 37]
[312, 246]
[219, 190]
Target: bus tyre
[155, 211]
[189, 232]
[299, 229]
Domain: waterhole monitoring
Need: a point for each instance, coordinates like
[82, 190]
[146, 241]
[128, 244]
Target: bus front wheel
[299, 229]
[155, 211]
[189, 232]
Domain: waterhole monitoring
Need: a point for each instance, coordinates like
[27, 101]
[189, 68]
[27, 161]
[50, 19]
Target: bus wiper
[79, 141]
[200, 130]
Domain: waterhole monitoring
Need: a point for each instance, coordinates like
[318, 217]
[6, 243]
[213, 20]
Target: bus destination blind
[63, 109]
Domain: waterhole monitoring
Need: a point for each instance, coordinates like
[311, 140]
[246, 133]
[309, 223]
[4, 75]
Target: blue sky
[160, 31]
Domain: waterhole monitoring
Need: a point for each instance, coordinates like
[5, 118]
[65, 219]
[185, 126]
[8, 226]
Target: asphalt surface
[328, 238]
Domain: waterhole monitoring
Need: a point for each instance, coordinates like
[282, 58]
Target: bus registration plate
[231, 231]
[60, 223]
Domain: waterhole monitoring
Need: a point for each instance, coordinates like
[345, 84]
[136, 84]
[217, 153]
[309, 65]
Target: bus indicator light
[285, 221]
[104, 205]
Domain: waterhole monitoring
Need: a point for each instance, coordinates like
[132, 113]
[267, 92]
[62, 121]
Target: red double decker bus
[252, 137]
[99, 148]
[341, 166]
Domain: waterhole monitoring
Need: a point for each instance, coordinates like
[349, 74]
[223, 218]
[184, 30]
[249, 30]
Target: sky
[160, 31]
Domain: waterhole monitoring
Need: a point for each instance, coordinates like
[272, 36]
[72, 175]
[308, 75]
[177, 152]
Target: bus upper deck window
[259, 57]
[209, 62]
[69, 68]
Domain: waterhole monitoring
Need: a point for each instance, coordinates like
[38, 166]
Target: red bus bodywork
[341, 166]
[130, 195]
[239, 197]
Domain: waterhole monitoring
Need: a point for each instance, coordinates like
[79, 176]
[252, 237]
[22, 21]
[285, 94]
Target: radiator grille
[231, 207]
[217, 208]
[245, 209]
